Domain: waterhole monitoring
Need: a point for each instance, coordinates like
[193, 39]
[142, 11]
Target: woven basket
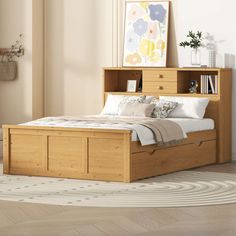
[7, 70]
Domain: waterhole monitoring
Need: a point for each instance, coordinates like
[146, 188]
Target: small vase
[196, 57]
[212, 58]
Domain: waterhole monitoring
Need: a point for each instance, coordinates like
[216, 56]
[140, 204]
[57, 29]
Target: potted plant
[194, 42]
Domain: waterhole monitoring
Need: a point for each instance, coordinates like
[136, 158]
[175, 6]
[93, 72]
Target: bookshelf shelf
[161, 81]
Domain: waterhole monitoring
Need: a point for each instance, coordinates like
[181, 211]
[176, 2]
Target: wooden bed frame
[99, 154]
[109, 154]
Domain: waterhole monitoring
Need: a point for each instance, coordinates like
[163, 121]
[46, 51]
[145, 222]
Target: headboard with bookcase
[175, 82]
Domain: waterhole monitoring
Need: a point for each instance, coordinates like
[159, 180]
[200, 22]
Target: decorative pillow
[188, 107]
[148, 99]
[162, 108]
[130, 100]
[115, 102]
[137, 109]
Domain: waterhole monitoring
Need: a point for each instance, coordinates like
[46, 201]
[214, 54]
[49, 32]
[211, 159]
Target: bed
[47, 148]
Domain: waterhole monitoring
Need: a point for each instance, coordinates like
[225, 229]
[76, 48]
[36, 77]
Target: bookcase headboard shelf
[175, 82]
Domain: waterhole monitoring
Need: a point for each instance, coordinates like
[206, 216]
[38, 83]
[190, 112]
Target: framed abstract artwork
[146, 34]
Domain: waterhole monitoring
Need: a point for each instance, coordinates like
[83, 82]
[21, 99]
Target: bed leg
[127, 160]
[6, 150]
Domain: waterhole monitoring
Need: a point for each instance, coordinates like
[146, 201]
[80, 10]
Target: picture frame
[146, 34]
[131, 86]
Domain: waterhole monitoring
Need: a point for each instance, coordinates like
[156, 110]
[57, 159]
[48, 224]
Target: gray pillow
[137, 109]
[162, 108]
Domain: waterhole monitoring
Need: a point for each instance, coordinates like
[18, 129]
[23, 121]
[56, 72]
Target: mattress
[188, 125]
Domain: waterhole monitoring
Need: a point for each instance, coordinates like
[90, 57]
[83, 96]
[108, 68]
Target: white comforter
[187, 125]
[163, 132]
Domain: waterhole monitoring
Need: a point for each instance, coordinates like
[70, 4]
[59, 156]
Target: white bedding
[188, 125]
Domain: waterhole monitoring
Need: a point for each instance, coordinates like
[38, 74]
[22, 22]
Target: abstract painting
[146, 34]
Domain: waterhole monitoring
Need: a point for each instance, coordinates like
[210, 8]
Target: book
[207, 87]
[201, 84]
[204, 84]
[211, 84]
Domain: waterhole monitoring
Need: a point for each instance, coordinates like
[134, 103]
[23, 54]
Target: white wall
[78, 45]
[15, 96]
[22, 99]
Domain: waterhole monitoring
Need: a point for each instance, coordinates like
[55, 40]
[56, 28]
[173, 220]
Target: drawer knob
[160, 87]
[159, 76]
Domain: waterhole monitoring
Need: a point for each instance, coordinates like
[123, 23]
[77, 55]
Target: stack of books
[209, 84]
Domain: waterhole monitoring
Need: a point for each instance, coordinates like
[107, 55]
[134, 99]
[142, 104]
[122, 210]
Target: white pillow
[137, 109]
[112, 104]
[188, 107]
[115, 102]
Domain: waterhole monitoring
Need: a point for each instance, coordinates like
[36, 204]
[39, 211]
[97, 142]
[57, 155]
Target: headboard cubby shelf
[175, 82]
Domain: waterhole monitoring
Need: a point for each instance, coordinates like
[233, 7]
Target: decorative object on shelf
[140, 85]
[211, 45]
[146, 34]
[193, 86]
[211, 58]
[131, 86]
[8, 66]
[195, 42]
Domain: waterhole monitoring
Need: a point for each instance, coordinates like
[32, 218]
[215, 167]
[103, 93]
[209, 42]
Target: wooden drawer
[160, 75]
[172, 159]
[160, 87]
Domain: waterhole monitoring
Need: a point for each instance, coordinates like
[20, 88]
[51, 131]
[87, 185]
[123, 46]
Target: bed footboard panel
[83, 154]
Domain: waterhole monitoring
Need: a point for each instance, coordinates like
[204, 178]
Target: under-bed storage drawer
[172, 159]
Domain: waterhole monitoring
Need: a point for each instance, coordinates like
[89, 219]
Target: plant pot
[196, 57]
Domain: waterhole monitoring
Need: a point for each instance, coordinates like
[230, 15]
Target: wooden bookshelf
[175, 82]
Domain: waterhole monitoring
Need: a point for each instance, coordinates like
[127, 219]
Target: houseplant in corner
[194, 42]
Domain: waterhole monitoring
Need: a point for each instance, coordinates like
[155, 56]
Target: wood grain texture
[160, 87]
[27, 152]
[167, 160]
[100, 155]
[6, 150]
[160, 75]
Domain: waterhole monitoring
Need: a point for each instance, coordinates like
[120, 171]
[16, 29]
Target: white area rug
[186, 188]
